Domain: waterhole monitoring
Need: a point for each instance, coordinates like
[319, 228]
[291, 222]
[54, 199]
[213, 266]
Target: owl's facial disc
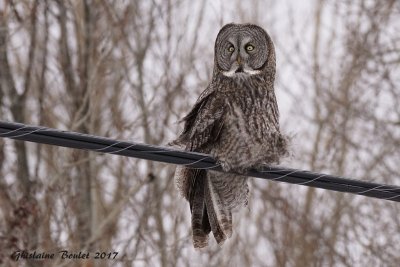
[241, 51]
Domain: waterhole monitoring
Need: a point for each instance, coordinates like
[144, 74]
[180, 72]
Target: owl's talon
[232, 168]
[225, 166]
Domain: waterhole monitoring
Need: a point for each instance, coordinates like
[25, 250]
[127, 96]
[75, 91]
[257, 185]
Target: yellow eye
[231, 49]
[249, 47]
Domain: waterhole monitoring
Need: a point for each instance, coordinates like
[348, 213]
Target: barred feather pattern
[236, 120]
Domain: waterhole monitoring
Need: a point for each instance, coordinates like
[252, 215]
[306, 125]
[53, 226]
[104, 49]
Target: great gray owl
[235, 120]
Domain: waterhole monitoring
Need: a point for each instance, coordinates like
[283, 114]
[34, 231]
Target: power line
[51, 136]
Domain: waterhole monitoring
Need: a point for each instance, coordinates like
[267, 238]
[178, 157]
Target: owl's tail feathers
[200, 223]
[208, 213]
[219, 216]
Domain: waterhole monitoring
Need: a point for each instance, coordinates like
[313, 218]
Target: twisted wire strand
[362, 192]
[112, 145]
[40, 134]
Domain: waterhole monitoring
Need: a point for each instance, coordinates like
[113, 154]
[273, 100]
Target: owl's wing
[204, 122]
[202, 128]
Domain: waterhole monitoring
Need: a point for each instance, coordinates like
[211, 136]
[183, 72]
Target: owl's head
[244, 50]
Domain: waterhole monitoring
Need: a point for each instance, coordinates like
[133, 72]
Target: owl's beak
[240, 68]
[238, 60]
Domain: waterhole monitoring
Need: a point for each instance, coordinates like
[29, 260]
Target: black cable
[50, 136]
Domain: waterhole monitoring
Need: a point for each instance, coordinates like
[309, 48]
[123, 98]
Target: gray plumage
[236, 120]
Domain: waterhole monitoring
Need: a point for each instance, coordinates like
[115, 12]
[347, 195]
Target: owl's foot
[262, 167]
[229, 167]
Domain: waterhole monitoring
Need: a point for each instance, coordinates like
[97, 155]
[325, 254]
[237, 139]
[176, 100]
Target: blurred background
[131, 69]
